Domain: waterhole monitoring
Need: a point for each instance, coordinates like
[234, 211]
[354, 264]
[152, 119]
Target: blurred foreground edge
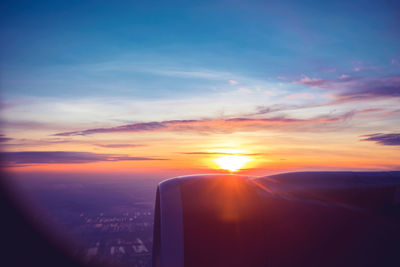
[293, 219]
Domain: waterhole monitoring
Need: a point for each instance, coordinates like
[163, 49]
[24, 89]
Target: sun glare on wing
[232, 163]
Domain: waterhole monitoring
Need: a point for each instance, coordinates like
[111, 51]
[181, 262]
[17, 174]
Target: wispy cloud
[392, 139]
[350, 89]
[159, 68]
[119, 145]
[260, 110]
[360, 66]
[366, 89]
[379, 113]
[196, 74]
[215, 125]
[63, 157]
[136, 127]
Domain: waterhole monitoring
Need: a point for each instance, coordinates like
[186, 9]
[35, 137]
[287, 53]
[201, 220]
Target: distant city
[118, 240]
[106, 223]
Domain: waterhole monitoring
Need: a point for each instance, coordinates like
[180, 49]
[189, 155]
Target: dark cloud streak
[63, 157]
[392, 139]
[3, 138]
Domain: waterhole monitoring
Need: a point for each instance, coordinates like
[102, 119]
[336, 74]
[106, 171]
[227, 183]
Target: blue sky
[57, 47]
[274, 77]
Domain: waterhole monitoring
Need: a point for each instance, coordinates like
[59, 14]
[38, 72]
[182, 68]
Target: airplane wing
[293, 219]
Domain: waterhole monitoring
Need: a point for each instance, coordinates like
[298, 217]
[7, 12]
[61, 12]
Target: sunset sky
[171, 87]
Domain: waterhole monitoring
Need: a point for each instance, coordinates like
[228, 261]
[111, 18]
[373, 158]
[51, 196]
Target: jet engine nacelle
[293, 219]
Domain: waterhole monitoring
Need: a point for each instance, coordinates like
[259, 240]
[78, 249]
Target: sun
[232, 163]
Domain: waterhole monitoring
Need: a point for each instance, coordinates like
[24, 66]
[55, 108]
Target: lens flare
[232, 163]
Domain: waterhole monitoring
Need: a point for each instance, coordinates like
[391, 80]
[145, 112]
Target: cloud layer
[63, 157]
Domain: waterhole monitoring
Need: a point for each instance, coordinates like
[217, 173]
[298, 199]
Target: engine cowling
[294, 219]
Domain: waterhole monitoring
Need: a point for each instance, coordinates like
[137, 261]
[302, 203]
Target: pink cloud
[313, 82]
[395, 62]
[378, 113]
[300, 95]
[371, 110]
[233, 82]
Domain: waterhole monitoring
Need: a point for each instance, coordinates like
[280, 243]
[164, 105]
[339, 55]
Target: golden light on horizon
[232, 163]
